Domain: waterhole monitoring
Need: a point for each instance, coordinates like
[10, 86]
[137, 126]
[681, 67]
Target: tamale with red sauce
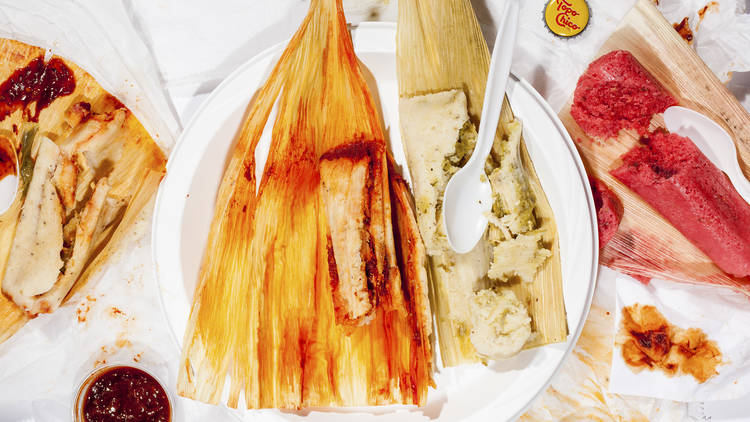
[696, 235]
[301, 300]
[86, 169]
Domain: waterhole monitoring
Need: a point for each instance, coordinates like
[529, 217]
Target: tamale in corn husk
[646, 244]
[443, 61]
[313, 290]
[87, 169]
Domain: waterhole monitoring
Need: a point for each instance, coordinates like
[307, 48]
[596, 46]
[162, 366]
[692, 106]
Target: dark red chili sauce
[7, 165]
[124, 393]
[37, 82]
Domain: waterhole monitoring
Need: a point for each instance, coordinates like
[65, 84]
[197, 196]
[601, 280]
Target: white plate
[185, 207]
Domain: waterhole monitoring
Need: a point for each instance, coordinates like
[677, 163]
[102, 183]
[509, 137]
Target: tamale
[440, 51]
[64, 195]
[100, 191]
[272, 311]
[646, 244]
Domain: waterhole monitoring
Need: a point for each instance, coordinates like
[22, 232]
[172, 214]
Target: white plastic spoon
[712, 140]
[468, 195]
[9, 183]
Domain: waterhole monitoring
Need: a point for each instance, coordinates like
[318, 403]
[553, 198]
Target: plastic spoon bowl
[468, 195]
[712, 140]
[9, 183]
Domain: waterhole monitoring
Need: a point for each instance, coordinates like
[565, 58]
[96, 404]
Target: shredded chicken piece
[50, 300]
[66, 175]
[95, 148]
[38, 238]
[77, 113]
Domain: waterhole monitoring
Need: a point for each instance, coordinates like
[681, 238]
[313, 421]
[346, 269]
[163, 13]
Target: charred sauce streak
[375, 280]
[355, 151]
[404, 254]
[649, 341]
[711, 6]
[683, 28]
[333, 273]
[403, 257]
[79, 113]
[125, 393]
[38, 82]
[7, 164]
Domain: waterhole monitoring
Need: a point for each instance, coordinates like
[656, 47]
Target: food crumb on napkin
[648, 341]
[723, 316]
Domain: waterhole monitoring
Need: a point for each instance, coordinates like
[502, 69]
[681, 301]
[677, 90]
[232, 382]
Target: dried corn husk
[133, 175]
[646, 245]
[267, 312]
[440, 47]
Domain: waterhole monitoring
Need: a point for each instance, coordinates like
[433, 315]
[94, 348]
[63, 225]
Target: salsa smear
[124, 393]
[7, 164]
[38, 82]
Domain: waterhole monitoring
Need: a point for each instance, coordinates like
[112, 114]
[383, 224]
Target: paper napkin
[721, 313]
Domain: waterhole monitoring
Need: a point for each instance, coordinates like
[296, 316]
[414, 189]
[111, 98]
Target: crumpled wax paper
[98, 37]
[117, 318]
[721, 32]
[215, 38]
[550, 63]
[553, 64]
[719, 312]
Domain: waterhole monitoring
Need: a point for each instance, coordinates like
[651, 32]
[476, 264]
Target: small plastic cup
[79, 399]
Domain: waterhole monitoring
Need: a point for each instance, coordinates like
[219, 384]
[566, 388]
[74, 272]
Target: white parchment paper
[118, 318]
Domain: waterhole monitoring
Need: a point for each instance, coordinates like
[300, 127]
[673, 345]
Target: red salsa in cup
[124, 393]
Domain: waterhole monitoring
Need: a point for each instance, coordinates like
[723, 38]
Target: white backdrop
[163, 57]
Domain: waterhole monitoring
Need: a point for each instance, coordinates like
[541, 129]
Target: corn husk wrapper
[263, 319]
[133, 177]
[646, 245]
[440, 47]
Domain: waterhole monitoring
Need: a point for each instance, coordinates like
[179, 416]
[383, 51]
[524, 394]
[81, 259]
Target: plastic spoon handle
[494, 92]
[467, 197]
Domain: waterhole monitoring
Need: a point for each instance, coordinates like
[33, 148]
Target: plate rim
[391, 27]
[179, 145]
[594, 270]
